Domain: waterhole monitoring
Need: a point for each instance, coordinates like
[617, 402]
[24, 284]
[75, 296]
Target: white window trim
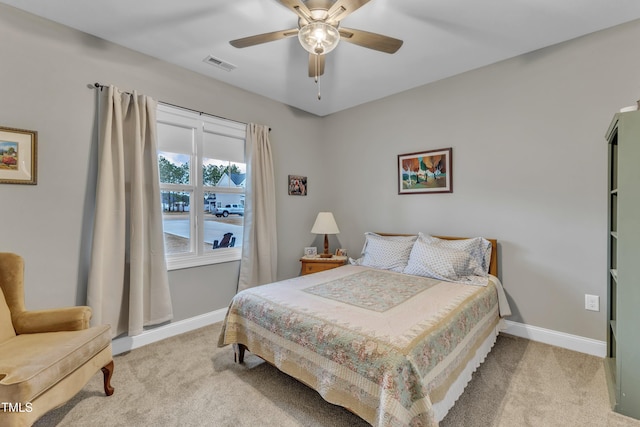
[201, 122]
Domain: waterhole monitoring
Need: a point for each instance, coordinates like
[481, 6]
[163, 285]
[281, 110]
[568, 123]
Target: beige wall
[529, 168]
[44, 75]
[528, 151]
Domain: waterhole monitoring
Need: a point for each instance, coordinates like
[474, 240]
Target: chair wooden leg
[107, 371]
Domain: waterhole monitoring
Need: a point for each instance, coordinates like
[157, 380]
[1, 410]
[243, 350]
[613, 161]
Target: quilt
[384, 345]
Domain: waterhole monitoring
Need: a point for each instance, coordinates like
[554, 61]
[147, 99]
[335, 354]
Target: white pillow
[440, 262]
[478, 248]
[386, 252]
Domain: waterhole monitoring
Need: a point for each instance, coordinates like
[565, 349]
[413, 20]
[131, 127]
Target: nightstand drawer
[316, 264]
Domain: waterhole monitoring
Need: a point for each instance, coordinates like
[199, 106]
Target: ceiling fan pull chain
[318, 77]
[318, 84]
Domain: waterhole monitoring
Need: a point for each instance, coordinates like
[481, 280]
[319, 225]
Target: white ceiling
[441, 38]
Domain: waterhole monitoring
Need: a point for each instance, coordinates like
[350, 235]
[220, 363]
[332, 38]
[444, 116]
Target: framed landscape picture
[425, 172]
[18, 154]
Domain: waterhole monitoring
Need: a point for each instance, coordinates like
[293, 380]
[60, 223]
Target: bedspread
[384, 345]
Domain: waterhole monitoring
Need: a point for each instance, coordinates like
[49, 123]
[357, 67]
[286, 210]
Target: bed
[396, 349]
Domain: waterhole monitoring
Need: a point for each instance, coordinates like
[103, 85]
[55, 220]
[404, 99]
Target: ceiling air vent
[219, 63]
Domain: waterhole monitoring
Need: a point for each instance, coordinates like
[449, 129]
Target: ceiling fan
[319, 31]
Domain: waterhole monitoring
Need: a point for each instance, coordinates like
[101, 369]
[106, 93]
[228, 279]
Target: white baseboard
[534, 333]
[558, 339]
[124, 344]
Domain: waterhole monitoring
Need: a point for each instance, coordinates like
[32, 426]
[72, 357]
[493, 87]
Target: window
[202, 184]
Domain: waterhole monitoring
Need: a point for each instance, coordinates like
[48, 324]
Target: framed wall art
[297, 185]
[18, 156]
[425, 172]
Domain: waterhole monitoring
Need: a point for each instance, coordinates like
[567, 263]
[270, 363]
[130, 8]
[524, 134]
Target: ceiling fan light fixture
[319, 38]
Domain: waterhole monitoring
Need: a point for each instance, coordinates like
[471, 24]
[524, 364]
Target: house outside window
[202, 184]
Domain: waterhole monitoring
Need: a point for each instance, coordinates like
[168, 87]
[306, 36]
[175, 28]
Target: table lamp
[325, 224]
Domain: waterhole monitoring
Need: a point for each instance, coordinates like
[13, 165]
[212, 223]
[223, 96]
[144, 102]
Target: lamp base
[326, 253]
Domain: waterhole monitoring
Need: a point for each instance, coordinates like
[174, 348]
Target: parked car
[228, 210]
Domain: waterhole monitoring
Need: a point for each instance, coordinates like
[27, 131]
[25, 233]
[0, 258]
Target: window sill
[177, 262]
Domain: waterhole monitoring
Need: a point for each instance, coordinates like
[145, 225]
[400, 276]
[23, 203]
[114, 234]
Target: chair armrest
[53, 320]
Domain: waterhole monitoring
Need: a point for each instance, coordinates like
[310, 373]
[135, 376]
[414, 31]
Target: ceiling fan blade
[316, 61]
[299, 8]
[263, 38]
[342, 8]
[370, 40]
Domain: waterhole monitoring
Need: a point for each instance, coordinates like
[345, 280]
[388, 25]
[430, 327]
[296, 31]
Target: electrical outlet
[592, 302]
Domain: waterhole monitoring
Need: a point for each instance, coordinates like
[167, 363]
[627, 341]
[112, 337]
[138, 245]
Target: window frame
[199, 123]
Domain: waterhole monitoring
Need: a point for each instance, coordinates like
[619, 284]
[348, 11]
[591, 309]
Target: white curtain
[260, 245]
[128, 285]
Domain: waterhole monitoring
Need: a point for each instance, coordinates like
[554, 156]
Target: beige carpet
[188, 381]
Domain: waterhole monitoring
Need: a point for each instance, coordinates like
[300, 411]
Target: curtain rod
[101, 86]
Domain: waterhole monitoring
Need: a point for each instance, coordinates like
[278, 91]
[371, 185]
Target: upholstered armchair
[46, 356]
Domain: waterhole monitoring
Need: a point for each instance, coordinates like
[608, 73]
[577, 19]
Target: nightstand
[314, 264]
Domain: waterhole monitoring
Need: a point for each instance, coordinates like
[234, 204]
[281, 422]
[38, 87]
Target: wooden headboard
[493, 265]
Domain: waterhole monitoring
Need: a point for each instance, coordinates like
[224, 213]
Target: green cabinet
[623, 330]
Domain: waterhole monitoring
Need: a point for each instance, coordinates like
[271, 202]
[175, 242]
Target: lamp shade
[318, 38]
[325, 224]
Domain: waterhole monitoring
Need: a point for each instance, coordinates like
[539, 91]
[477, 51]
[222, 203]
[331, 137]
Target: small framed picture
[18, 154]
[311, 251]
[341, 252]
[297, 185]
